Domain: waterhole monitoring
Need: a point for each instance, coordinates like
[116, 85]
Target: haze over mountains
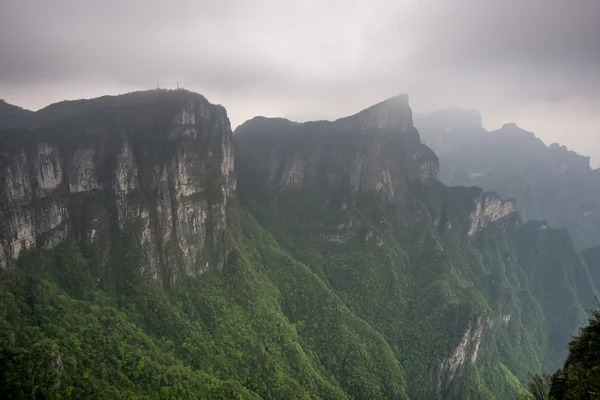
[310, 238]
[149, 252]
[549, 183]
[283, 58]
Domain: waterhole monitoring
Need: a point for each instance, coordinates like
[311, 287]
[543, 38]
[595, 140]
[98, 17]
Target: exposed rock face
[467, 351]
[157, 165]
[489, 207]
[550, 183]
[376, 150]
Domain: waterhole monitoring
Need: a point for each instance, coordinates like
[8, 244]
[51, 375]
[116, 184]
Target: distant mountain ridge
[358, 201]
[328, 262]
[549, 183]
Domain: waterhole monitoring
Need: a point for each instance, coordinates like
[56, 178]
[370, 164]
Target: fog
[535, 63]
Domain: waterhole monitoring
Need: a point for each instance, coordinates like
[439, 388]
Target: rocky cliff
[449, 275]
[157, 166]
[548, 183]
[375, 150]
[489, 208]
[351, 272]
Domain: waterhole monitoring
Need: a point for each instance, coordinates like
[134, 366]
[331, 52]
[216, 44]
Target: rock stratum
[157, 165]
[378, 150]
[137, 261]
[375, 150]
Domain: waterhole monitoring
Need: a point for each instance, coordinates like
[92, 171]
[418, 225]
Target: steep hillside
[156, 165]
[465, 295]
[361, 153]
[340, 268]
[548, 182]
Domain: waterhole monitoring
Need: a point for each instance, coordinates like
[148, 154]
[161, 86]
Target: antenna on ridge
[157, 85]
[177, 85]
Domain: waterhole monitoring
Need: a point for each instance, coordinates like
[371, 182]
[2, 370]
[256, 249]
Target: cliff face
[155, 165]
[376, 150]
[549, 183]
[489, 208]
[343, 241]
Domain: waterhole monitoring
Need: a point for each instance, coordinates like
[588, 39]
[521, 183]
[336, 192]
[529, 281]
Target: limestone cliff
[375, 150]
[467, 351]
[155, 165]
[489, 207]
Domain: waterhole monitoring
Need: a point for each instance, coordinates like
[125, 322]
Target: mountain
[448, 275]
[549, 183]
[329, 263]
[363, 152]
[155, 166]
[578, 377]
[11, 115]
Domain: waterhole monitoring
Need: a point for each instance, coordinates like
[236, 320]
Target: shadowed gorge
[328, 262]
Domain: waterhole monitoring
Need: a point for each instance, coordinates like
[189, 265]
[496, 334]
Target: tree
[538, 388]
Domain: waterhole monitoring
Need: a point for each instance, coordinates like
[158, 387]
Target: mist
[532, 63]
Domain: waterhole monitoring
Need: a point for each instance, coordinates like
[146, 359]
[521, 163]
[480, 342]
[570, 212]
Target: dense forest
[338, 268]
[579, 379]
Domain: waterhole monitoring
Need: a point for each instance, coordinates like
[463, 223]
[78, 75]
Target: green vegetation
[222, 336]
[379, 314]
[423, 289]
[325, 291]
[579, 379]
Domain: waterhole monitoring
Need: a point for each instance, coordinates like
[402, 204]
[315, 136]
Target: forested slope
[344, 270]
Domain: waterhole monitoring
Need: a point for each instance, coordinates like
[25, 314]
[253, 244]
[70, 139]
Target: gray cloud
[314, 59]
[548, 47]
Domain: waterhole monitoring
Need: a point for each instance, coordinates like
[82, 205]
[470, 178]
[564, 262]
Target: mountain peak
[400, 99]
[11, 115]
[510, 125]
[395, 103]
[511, 129]
[394, 112]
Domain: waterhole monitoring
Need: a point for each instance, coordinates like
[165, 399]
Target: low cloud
[311, 59]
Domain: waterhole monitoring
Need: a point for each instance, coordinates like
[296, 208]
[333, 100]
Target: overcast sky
[534, 62]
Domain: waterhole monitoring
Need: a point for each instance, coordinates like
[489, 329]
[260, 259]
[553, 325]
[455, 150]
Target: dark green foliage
[54, 346]
[538, 388]
[579, 379]
[324, 293]
[423, 288]
[373, 317]
[241, 333]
